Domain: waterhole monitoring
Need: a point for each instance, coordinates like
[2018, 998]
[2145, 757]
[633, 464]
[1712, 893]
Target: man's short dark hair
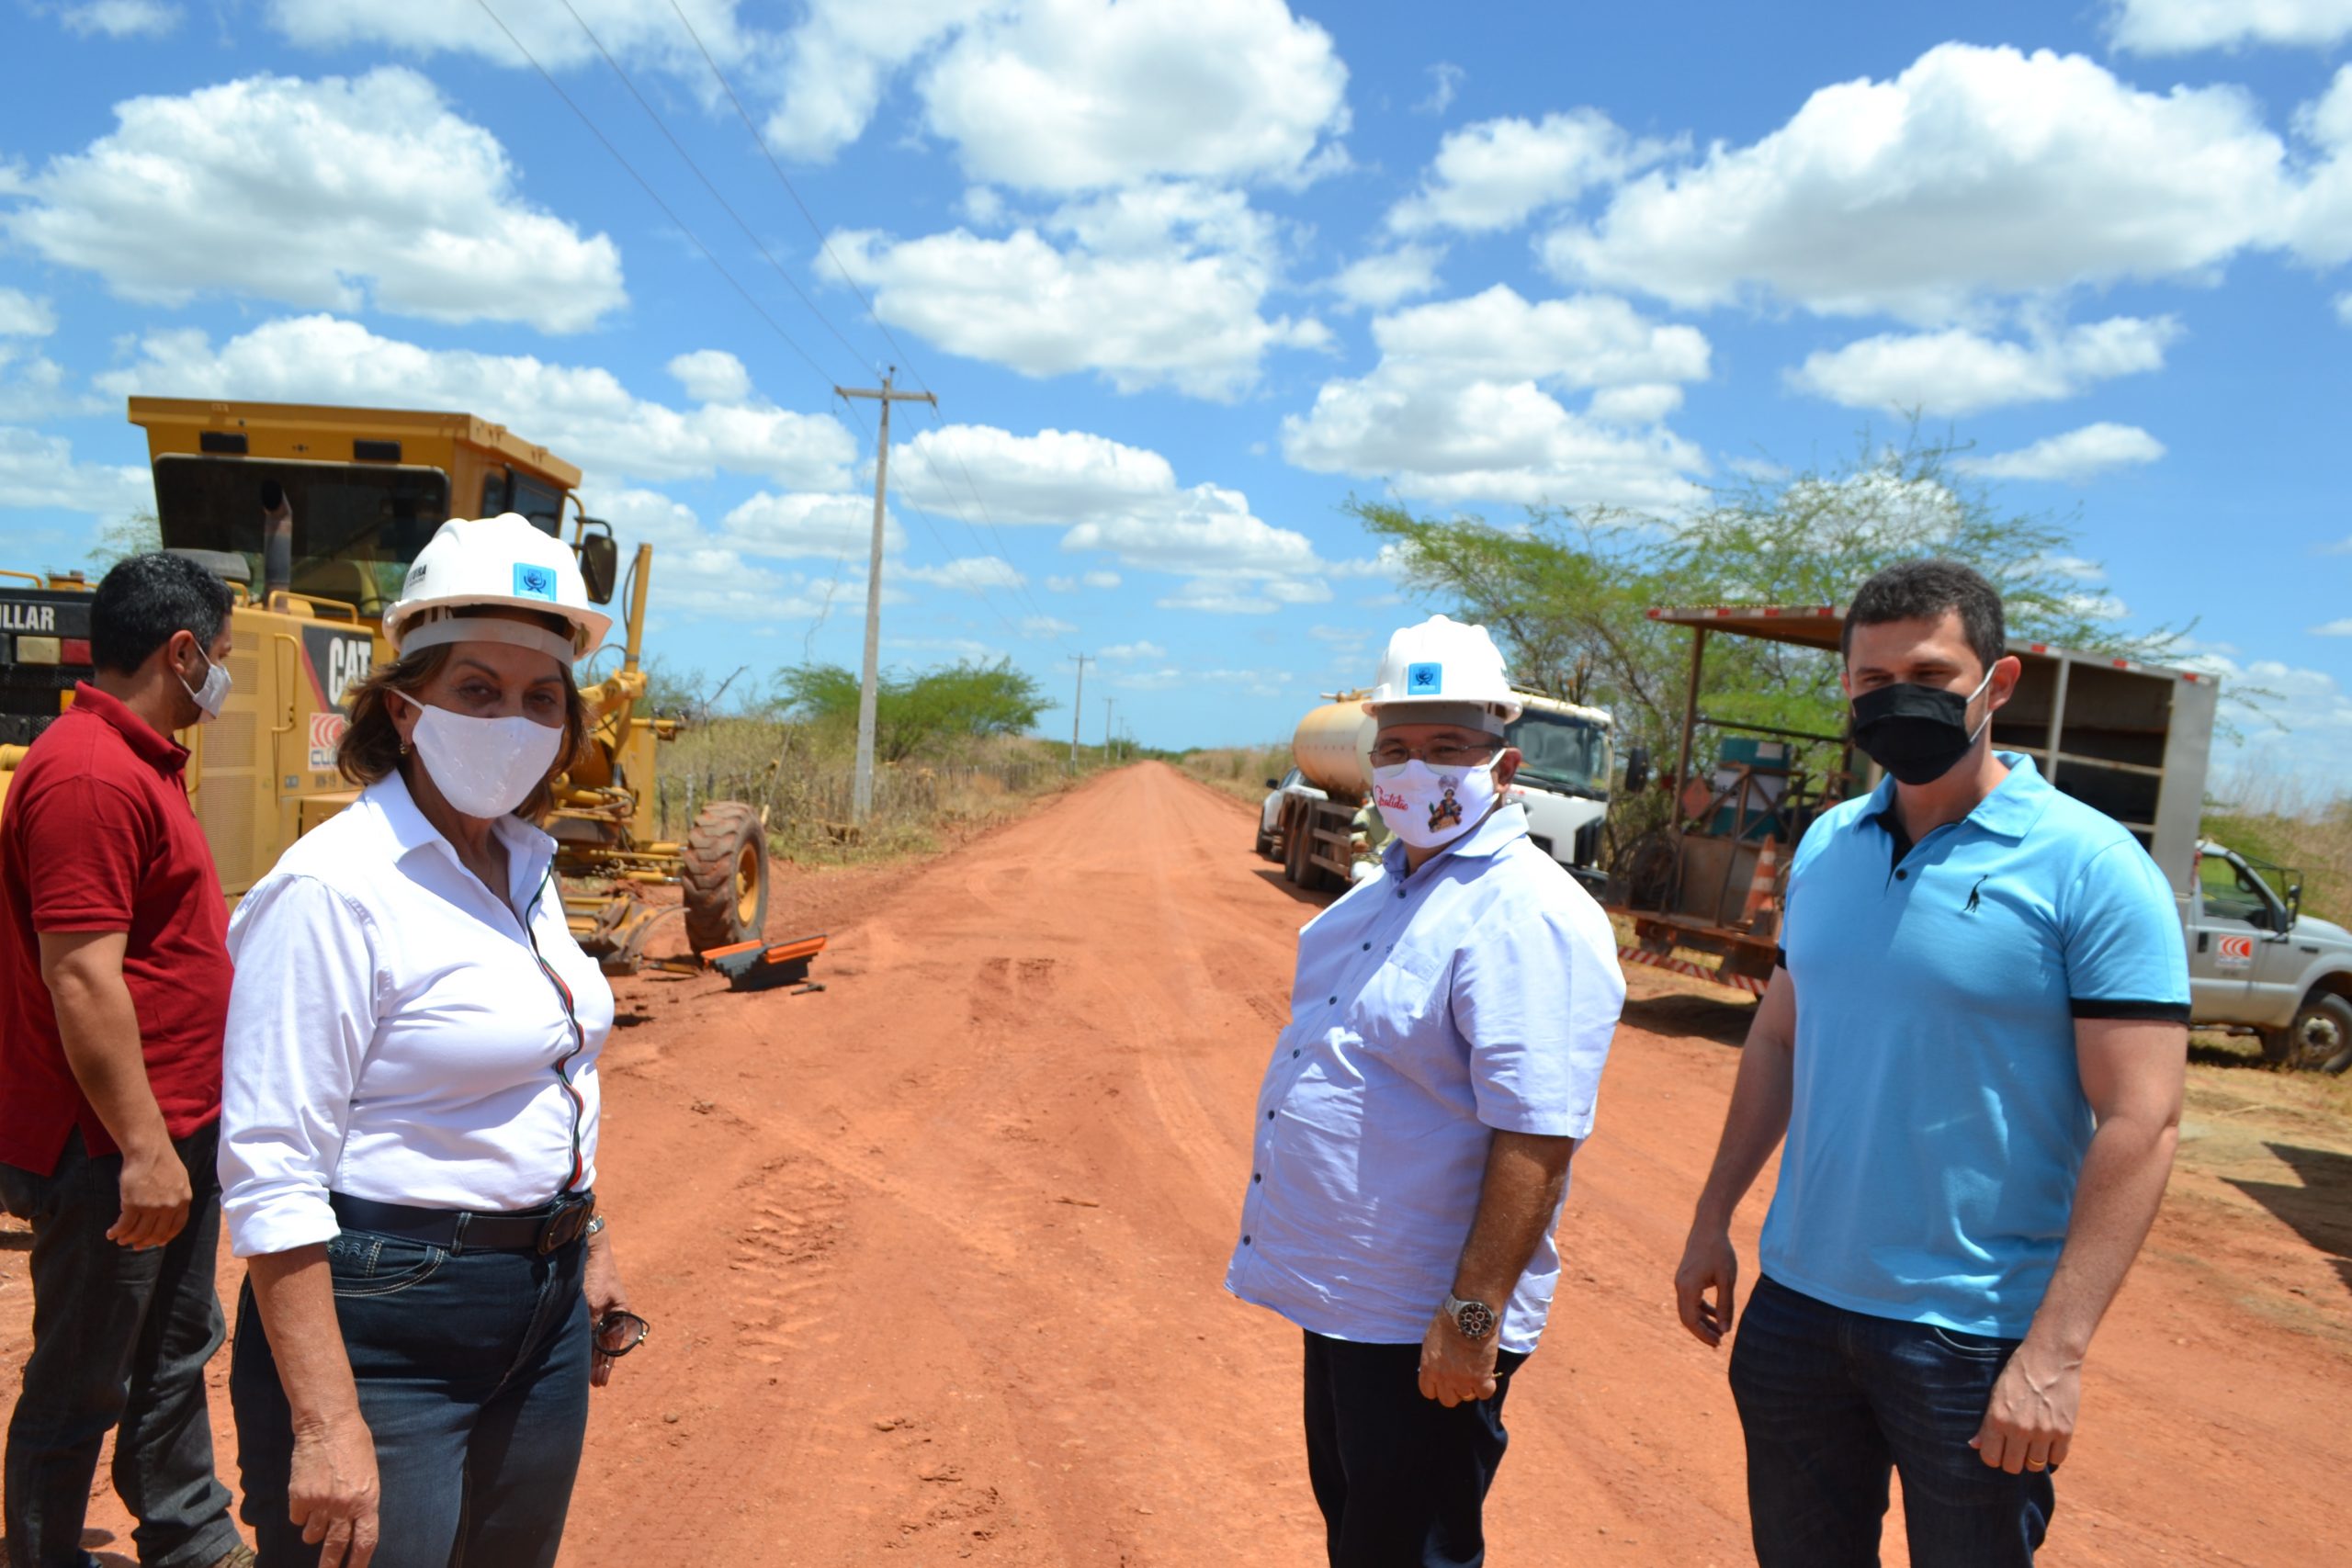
[144, 598]
[1922, 591]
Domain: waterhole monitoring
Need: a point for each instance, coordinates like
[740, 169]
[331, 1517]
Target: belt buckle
[563, 1226]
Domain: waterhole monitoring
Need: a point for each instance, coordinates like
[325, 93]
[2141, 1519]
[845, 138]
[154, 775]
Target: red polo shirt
[97, 834]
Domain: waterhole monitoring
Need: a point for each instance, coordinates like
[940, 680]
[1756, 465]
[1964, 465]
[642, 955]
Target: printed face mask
[1917, 733]
[213, 695]
[1426, 807]
[485, 767]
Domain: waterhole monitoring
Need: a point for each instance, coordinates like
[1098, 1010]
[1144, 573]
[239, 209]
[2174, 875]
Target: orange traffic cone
[1759, 886]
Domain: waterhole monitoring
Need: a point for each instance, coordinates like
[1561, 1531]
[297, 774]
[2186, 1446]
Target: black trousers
[119, 1342]
[1402, 1481]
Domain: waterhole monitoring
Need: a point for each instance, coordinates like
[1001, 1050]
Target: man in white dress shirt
[1410, 1153]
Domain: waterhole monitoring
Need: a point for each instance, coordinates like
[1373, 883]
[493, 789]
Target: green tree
[135, 534]
[915, 712]
[1567, 592]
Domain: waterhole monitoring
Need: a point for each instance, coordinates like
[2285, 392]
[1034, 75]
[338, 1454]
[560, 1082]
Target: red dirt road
[933, 1258]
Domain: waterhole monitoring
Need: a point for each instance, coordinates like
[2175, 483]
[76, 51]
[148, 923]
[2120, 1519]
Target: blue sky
[1186, 274]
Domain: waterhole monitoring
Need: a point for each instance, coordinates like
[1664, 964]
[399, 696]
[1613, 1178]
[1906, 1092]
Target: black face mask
[1917, 733]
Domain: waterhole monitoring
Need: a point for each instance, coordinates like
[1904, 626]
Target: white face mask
[484, 767]
[1426, 807]
[213, 695]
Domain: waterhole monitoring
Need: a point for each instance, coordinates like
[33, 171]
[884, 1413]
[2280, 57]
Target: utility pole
[1108, 703]
[862, 788]
[1077, 710]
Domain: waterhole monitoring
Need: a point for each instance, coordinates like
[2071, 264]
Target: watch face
[1476, 1319]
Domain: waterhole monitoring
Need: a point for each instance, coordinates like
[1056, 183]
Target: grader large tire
[725, 876]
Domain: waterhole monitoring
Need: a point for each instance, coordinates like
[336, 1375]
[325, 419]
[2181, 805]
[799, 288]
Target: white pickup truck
[2128, 738]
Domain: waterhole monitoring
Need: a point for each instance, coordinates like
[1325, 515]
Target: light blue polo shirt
[1938, 1122]
[1480, 992]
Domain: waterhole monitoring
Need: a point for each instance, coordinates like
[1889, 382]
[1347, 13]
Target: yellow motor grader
[365, 488]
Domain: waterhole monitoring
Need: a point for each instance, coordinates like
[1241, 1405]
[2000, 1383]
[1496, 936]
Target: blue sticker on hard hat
[1424, 680]
[534, 582]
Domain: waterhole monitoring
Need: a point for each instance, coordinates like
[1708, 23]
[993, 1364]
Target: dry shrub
[806, 787]
[1240, 770]
[2289, 821]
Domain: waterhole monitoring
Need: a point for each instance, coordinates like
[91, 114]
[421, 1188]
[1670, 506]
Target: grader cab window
[504, 489]
[356, 528]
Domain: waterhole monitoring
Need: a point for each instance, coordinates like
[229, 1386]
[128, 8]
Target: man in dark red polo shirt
[116, 980]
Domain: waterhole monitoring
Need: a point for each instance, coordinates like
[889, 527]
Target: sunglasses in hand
[618, 1333]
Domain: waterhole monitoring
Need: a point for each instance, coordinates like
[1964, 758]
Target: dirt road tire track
[933, 1258]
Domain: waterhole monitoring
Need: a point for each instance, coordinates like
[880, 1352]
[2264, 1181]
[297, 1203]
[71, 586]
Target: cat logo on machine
[2233, 953]
[335, 661]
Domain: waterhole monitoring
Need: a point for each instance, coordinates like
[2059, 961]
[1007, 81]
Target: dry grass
[806, 787]
[1239, 771]
[2289, 823]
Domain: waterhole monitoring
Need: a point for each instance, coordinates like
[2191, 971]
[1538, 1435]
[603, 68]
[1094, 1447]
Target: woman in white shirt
[408, 1137]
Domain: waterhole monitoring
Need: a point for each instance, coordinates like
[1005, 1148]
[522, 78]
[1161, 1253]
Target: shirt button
[1901, 877]
[1335, 1002]
[1293, 1055]
[1245, 1241]
[1257, 1176]
[1270, 1115]
[1367, 947]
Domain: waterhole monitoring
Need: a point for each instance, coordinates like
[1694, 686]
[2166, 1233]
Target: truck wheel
[725, 876]
[1294, 850]
[1309, 877]
[2319, 1041]
[1269, 845]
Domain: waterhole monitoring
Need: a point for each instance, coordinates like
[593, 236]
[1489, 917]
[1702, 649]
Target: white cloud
[32, 387]
[1958, 372]
[256, 188]
[839, 60]
[1462, 404]
[1158, 286]
[1445, 82]
[1097, 580]
[38, 469]
[120, 18]
[1643, 402]
[1045, 626]
[723, 576]
[2181, 27]
[801, 523]
[1977, 171]
[1387, 278]
[1496, 174]
[583, 413]
[1141, 649]
[1244, 683]
[1081, 94]
[2334, 628]
[631, 28]
[1056, 476]
[711, 375]
[2300, 729]
[2077, 456]
[21, 315]
[972, 574]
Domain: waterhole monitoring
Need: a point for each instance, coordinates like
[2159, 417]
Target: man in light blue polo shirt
[1974, 1043]
[1449, 1023]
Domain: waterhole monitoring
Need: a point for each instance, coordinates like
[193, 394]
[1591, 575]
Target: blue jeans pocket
[1969, 1347]
[365, 1265]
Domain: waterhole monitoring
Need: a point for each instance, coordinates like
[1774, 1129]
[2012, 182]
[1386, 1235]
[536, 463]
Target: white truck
[1563, 782]
[2128, 738]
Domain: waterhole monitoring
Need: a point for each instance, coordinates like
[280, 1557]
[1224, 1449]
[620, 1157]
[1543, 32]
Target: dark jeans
[472, 1371]
[119, 1342]
[1831, 1399]
[1402, 1481]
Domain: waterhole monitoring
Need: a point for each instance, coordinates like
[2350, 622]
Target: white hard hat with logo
[503, 562]
[1439, 664]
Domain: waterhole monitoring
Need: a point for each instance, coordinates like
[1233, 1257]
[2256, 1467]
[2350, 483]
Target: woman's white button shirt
[392, 1035]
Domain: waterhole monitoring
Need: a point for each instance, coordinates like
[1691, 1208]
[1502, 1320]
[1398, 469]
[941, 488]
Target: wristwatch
[1474, 1320]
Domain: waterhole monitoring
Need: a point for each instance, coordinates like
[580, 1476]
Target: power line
[663, 125]
[653, 196]
[825, 246]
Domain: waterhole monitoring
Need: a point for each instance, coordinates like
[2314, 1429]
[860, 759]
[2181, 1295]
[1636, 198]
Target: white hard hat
[1443, 663]
[501, 561]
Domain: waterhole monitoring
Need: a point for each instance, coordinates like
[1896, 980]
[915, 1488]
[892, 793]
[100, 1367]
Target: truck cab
[1564, 777]
[2258, 962]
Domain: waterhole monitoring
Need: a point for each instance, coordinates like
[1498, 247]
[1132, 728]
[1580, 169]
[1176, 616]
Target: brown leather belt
[541, 1230]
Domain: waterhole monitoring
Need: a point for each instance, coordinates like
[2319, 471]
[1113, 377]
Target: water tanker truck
[1563, 782]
